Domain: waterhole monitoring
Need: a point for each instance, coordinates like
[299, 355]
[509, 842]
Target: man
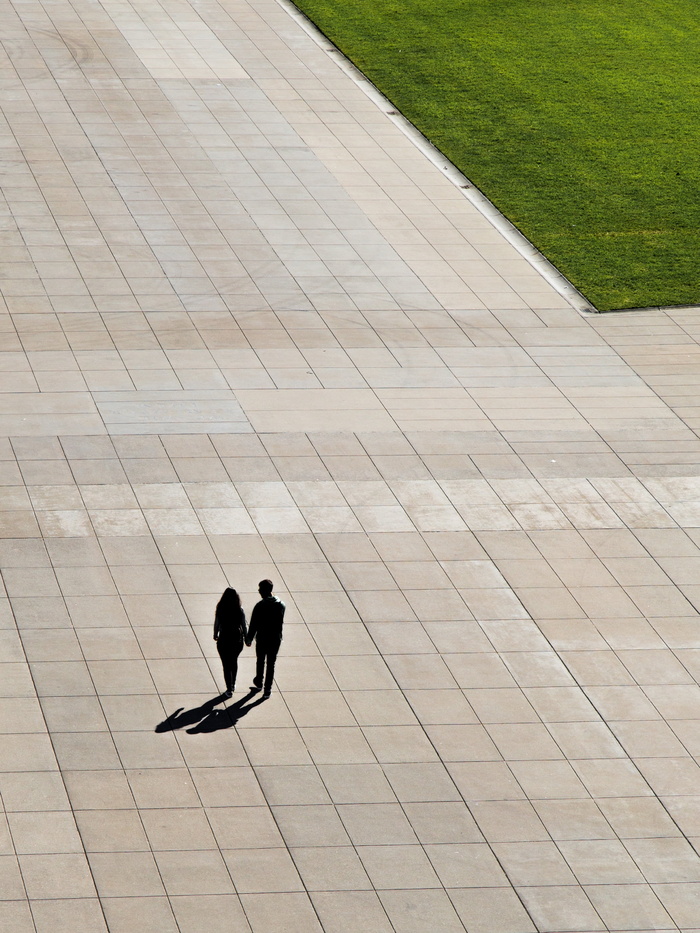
[266, 628]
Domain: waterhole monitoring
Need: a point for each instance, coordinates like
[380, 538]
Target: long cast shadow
[206, 718]
[225, 718]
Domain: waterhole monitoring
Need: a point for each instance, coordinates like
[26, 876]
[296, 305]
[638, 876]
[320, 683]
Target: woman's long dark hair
[230, 603]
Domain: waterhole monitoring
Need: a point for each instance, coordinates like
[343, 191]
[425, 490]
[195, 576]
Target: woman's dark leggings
[229, 662]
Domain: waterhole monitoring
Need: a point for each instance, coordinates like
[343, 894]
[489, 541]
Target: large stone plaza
[251, 330]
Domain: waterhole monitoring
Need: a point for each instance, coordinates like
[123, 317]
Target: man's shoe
[266, 694]
[255, 689]
[228, 694]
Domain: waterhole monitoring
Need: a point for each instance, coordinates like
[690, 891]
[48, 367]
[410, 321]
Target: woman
[229, 634]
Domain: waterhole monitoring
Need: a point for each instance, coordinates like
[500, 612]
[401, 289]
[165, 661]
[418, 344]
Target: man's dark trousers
[266, 655]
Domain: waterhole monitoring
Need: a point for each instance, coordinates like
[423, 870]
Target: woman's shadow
[206, 718]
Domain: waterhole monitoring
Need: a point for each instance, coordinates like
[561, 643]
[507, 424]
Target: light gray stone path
[248, 329]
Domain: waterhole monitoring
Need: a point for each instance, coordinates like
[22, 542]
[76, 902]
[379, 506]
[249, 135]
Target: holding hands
[231, 633]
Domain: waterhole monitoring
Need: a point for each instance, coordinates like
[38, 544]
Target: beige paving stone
[69, 914]
[487, 910]
[351, 911]
[562, 907]
[280, 911]
[634, 905]
[122, 913]
[410, 911]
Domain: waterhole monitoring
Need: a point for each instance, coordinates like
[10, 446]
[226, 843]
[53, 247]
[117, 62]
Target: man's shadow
[206, 718]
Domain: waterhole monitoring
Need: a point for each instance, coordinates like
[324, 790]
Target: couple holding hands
[230, 634]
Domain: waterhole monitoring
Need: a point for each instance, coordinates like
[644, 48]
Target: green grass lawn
[579, 119]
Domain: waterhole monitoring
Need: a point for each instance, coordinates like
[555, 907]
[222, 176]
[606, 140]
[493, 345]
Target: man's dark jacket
[266, 622]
